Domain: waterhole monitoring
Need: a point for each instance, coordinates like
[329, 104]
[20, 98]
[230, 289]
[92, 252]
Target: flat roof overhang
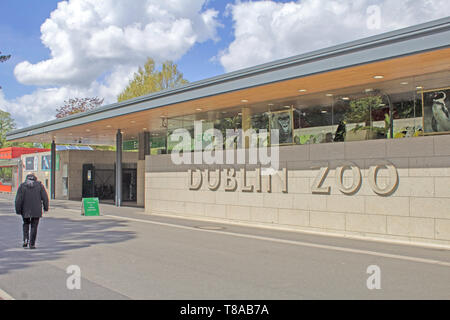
[410, 52]
[9, 162]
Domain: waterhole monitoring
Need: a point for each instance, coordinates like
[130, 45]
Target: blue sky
[20, 23]
[97, 45]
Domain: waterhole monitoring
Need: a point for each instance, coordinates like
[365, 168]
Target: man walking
[30, 198]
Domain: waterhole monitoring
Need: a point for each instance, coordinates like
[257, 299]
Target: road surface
[125, 254]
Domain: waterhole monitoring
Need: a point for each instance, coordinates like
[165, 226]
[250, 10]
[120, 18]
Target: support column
[391, 117]
[144, 145]
[246, 125]
[144, 150]
[53, 171]
[19, 174]
[391, 120]
[118, 198]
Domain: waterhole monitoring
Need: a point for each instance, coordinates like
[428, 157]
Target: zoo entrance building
[364, 143]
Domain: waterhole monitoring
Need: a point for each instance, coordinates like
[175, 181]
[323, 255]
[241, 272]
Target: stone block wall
[417, 209]
[75, 159]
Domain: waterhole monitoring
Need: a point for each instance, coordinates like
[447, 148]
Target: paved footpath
[125, 254]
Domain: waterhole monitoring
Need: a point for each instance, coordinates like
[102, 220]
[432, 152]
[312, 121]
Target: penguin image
[441, 113]
[340, 132]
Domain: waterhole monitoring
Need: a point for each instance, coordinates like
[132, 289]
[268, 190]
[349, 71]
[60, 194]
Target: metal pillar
[119, 169]
[246, 125]
[391, 118]
[144, 145]
[53, 171]
[19, 174]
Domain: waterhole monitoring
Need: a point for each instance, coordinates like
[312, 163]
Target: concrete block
[196, 209]
[204, 196]
[216, 211]
[238, 213]
[310, 202]
[175, 206]
[278, 200]
[411, 227]
[249, 199]
[365, 149]
[344, 203]
[415, 187]
[158, 205]
[266, 215]
[326, 220]
[409, 147]
[443, 229]
[294, 153]
[442, 145]
[293, 217]
[299, 185]
[401, 165]
[442, 186]
[305, 168]
[391, 206]
[429, 167]
[327, 151]
[430, 207]
[366, 223]
[153, 194]
[182, 195]
[225, 198]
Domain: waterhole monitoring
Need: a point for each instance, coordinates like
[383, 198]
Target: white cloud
[89, 38]
[40, 105]
[266, 30]
[96, 45]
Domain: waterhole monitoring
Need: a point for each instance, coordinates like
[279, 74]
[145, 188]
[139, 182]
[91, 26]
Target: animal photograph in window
[281, 126]
[30, 164]
[46, 162]
[436, 110]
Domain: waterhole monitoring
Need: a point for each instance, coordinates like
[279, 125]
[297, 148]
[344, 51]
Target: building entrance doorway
[99, 181]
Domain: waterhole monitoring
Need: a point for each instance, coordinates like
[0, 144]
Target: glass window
[158, 142]
[314, 123]
[376, 110]
[6, 175]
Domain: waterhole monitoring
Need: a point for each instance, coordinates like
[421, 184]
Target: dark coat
[30, 198]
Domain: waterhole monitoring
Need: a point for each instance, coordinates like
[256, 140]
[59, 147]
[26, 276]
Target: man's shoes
[32, 246]
[25, 244]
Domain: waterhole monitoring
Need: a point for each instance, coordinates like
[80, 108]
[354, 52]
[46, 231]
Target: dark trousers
[34, 222]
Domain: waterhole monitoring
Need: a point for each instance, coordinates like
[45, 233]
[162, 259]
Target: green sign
[130, 145]
[90, 207]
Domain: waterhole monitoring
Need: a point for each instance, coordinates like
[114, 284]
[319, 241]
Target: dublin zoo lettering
[214, 179]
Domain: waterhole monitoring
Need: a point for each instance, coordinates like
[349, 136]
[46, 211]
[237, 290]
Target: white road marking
[293, 242]
[5, 296]
[284, 241]
[73, 210]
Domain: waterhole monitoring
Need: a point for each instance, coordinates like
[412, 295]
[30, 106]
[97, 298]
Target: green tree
[360, 109]
[104, 148]
[3, 59]
[148, 79]
[7, 124]
[77, 105]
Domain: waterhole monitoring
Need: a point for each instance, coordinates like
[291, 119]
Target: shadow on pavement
[56, 236]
